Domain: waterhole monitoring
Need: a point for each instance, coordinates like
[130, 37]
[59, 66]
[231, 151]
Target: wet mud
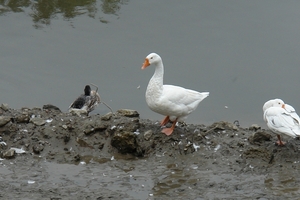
[48, 154]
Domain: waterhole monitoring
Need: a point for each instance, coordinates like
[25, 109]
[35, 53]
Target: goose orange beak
[146, 63]
[283, 106]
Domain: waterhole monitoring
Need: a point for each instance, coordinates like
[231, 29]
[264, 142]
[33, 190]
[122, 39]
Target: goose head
[273, 103]
[152, 58]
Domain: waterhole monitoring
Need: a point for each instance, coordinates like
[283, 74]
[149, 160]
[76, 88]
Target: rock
[37, 148]
[47, 133]
[4, 107]
[51, 107]
[147, 135]
[83, 143]
[126, 142]
[38, 121]
[107, 116]
[78, 112]
[222, 125]
[254, 127]
[4, 120]
[128, 113]
[34, 109]
[101, 126]
[89, 130]
[23, 118]
[259, 137]
[9, 154]
[94, 126]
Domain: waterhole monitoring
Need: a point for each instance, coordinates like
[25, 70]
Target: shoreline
[124, 139]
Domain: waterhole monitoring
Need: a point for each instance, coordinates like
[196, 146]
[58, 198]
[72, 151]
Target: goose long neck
[158, 76]
[155, 87]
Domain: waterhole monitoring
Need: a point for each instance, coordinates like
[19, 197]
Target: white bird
[174, 102]
[281, 118]
[86, 102]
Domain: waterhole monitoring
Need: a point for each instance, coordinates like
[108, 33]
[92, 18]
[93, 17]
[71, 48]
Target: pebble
[254, 127]
[4, 106]
[4, 120]
[23, 118]
[148, 134]
[107, 116]
[9, 153]
[128, 113]
[51, 107]
[37, 148]
[38, 121]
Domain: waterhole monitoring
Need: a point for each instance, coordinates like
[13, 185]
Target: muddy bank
[48, 154]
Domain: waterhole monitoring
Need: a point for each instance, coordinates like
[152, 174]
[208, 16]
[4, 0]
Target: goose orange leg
[165, 121]
[169, 131]
[279, 142]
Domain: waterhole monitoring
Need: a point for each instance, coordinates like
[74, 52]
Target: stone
[89, 130]
[107, 116]
[78, 112]
[222, 125]
[148, 134]
[51, 107]
[254, 127]
[23, 118]
[126, 142]
[259, 137]
[9, 154]
[4, 107]
[4, 120]
[83, 143]
[38, 121]
[128, 113]
[37, 148]
[101, 126]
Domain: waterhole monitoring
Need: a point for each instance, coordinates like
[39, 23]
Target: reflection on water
[43, 11]
[112, 6]
[13, 6]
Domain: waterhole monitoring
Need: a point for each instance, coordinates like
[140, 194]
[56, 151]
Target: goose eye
[151, 58]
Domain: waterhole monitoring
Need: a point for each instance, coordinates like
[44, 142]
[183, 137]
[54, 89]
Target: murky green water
[242, 52]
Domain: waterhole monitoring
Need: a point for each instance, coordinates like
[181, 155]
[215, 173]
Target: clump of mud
[222, 147]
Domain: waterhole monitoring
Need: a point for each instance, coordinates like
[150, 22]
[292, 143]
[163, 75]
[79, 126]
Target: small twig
[107, 107]
[95, 87]
[211, 129]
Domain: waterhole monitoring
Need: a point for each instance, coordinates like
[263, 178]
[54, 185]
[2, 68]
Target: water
[243, 52]
[138, 179]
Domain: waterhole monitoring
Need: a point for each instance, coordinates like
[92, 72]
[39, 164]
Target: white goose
[281, 118]
[174, 102]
